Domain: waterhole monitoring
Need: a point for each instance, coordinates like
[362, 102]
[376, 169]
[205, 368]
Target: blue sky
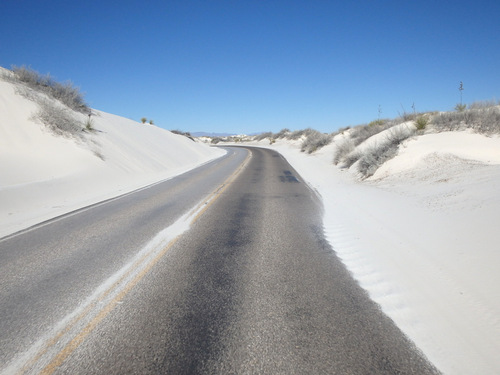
[261, 65]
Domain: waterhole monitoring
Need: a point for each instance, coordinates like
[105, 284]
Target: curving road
[244, 283]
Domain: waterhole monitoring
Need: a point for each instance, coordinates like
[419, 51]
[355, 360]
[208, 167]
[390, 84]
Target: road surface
[242, 283]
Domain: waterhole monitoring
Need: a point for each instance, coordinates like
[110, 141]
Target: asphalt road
[252, 287]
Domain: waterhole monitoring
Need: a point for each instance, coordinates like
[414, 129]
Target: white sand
[421, 235]
[43, 175]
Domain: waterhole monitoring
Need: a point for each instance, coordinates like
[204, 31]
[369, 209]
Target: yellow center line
[80, 337]
[80, 316]
[73, 344]
[222, 188]
[54, 339]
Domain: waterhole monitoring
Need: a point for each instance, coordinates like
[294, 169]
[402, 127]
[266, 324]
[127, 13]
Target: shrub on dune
[377, 154]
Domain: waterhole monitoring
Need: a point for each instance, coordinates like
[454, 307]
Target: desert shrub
[343, 148]
[69, 95]
[187, 134]
[89, 124]
[362, 132]
[27, 92]
[421, 122]
[216, 140]
[460, 107]
[485, 120]
[398, 134]
[314, 141]
[448, 121]
[143, 120]
[261, 136]
[351, 158]
[471, 117]
[296, 134]
[407, 116]
[283, 133]
[58, 119]
[56, 102]
[378, 122]
[66, 93]
[483, 104]
[300, 133]
[28, 76]
[374, 156]
[342, 130]
[180, 132]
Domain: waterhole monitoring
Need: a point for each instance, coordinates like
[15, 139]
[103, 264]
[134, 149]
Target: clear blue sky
[258, 65]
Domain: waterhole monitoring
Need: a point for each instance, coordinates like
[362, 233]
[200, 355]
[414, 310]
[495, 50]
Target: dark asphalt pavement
[252, 288]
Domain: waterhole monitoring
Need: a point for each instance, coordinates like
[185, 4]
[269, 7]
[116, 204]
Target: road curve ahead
[251, 288]
[54, 276]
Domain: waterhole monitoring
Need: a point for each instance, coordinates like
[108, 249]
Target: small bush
[485, 120]
[188, 135]
[361, 133]
[460, 107]
[216, 140]
[421, 122]
[397, 135]
[351, 158]
[378, 122]
[29, 76]
[343, 148]
[296, 134]
[447, 121]
[66, 93]
[89, 124]
[57, 102]
[58, 119]
[314, 141]
[143, 120]
[342, 130]
[483, 104]
[300, 133]
[283, 133]
[378, 154]
[374, 157]
[262, 136]
[69, 95]
[405, 116]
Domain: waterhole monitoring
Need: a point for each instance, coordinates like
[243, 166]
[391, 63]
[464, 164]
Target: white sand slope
[43, 175]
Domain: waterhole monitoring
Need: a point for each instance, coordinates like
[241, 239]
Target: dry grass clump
[66, 93]
[261, 136]
[57, 102]
[58, 119]
[314, 141]
[481, 117]
[344, 147]
[361, 133]
[283, 133]
[377, 154]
